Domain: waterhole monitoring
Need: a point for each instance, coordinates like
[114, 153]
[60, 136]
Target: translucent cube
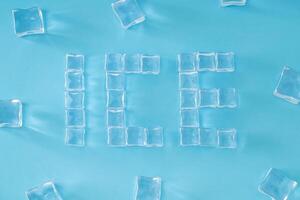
[233, 2]
[75, 118]
[148, 188]
[136, 136]
[227, 98]
[189, 118]
[188, 98]
[288, 87]
[206, 61]
[114, 62]
[115, 99]
[74, 99]
[115, 118]
[187, 62]
[75, 136]
[116, 136]
[227, 138]
[150, 64]
[209, 98]
[155, 137]
[128, 12]
[75, 62]
[115, 81]
[11, 113]
[46, 191]
[132, 63]
[74, 80]
[225, 62]
[189, 136]
[277, 185]
[28, 21]
[208, 137]
[188, 80]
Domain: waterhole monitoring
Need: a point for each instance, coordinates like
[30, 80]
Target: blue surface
[264, 35]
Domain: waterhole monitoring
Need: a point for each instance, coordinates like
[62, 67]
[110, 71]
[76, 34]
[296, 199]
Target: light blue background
[265, 36]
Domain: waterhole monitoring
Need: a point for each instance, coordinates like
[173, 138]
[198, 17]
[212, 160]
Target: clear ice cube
[150, 64]
[75, 136]
[189, 136]
[46, 191]
[277, 185]
[74, 99]
[225, 62]
[75, 118]
[136, 136]
[115, 99]
[189, 118]
[227, 138]
[227, 98]
[206, 61]
[132, 63]
[233, 2]
[148, 188]
[188, 80]
[208, 137]
[28, 21]
[74, 81]
[115, 118]
[155, 137]
[75, 62]
[288, 87]
[208, 98]
[128, 12]
[115, 81]
[187, 62]
[116, 136]
[189, 98]
[11, 113]
[114, 62]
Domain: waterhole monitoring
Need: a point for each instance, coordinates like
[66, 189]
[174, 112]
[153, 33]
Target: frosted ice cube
[11, 113]
[277, 185]
[188, 98]
[136, 136]
[206, 61]
[28, 21]
[187, 62]
[188, 80]
[227, 98]
[150, 64]
[75, 62]
[75, 118]
[75, 136]
[208, 98]
[115, 81]
[132, 63]
[46, 191]
[227, 138]
[128, 12]
[189, 118]
[115, 118]
[233, 2]
[189, 136]
[116, 136]
[148, 188]
[115, 99]
[155, 137]
[225, 62]
[74, 99]
[74, 80]
[114, 62]
[208, 137]
[288, 87]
